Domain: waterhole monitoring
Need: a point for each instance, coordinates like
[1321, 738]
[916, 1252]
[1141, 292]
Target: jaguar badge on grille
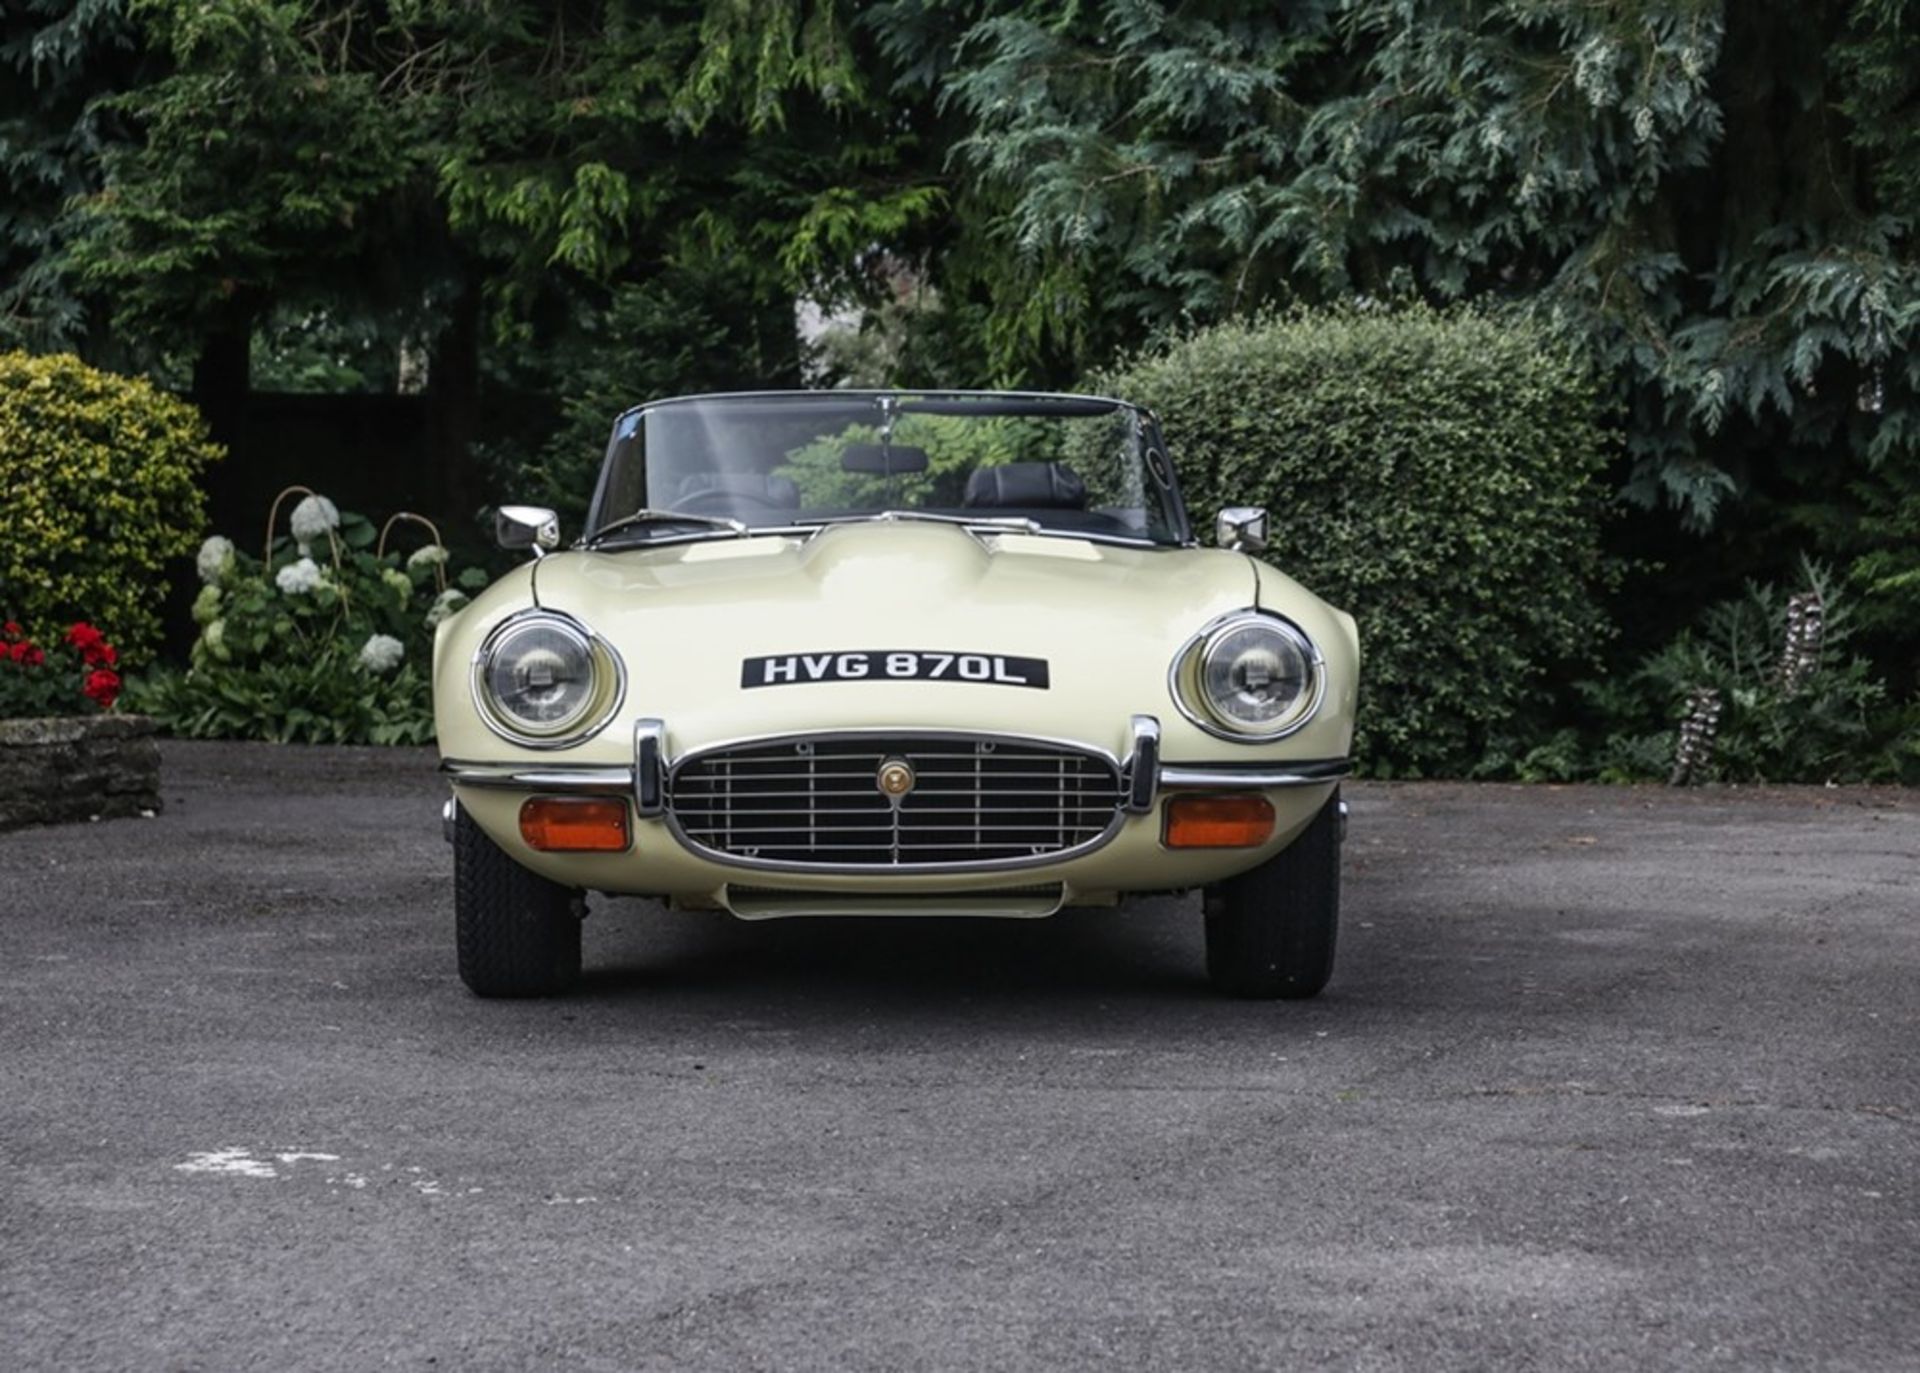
[896, 777]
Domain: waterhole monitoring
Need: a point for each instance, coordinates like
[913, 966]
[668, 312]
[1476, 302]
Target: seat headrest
[1027, 485]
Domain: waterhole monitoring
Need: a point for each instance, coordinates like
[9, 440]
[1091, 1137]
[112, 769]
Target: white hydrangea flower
[381, 653]
[215, 559]
[397, 581]
[213, 639]
[296, 579]
[312, 518]
[206, 606]
[445, 605]
[427, 557]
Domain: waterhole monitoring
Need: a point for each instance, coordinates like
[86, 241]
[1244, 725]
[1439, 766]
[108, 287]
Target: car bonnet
[689, 619]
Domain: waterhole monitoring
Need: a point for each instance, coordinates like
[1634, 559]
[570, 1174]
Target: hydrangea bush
[327, 641]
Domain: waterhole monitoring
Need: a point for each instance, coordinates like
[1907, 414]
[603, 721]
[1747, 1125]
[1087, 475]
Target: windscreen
[1061, 464]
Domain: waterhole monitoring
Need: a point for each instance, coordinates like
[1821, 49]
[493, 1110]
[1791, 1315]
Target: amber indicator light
[1218, 822]
[575, 824]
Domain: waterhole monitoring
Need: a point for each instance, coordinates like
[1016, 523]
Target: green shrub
[1873, 533]
[98, 487]
[1811, 713]
[328, 642]
[1431, 473]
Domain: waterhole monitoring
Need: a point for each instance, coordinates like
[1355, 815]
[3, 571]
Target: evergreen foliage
[1715, 199]
[601, 187]
[263, 169]
[57, 57]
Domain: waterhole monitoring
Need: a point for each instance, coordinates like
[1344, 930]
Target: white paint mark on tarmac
[238, 1163]
[244, 1163]
[235, 1161]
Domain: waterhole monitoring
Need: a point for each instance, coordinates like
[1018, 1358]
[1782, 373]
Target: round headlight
[1256, 677]
[545, 677]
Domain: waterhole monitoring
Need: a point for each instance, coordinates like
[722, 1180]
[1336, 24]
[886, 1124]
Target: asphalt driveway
[1605, 1079]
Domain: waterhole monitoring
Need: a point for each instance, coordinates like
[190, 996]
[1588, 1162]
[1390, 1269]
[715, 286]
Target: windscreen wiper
[1019, 523]
[640, 517]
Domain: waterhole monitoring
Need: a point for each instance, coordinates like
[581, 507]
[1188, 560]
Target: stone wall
[95, 767]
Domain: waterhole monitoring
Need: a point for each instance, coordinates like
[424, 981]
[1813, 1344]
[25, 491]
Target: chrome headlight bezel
[1185, 677]
[609, 684]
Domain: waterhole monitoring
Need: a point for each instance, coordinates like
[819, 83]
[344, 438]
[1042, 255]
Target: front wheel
[517, 933]
[1271, 930]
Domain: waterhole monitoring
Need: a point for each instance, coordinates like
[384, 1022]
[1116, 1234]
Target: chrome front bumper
[1144, 774]
[1129, 856]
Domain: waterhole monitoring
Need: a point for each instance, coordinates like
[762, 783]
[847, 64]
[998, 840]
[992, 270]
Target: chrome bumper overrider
[1143, 773]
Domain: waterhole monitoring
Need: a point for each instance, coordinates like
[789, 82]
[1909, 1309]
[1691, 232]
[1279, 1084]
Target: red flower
[12, 629]
[102, 686]
[95, 651]
[30, 656]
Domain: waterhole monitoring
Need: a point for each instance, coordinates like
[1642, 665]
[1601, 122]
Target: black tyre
[517, 933]
[1271, 930]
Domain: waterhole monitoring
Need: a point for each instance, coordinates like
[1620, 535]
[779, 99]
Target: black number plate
[894, 665]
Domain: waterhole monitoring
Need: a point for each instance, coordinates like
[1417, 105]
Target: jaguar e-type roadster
[894, 653]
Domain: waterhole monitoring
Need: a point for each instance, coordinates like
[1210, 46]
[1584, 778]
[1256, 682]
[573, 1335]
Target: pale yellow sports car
[894, 653]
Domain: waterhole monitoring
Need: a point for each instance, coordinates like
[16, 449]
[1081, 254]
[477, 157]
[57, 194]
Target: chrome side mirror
[526, 526]
[1242, 528]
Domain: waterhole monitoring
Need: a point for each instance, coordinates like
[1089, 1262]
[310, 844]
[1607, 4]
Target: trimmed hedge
[98, 490]
[1433, 473]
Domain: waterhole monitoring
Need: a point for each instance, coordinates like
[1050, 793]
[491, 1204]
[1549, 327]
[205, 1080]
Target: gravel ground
[1605, 1079]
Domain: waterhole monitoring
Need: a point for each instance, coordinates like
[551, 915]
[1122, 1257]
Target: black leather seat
[1026, 486]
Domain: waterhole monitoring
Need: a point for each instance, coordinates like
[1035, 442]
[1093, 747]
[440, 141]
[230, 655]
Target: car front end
[900, 713]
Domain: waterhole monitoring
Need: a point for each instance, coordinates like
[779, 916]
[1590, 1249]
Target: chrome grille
[817, 801]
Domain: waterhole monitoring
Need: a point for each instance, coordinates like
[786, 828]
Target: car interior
[768, 464]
